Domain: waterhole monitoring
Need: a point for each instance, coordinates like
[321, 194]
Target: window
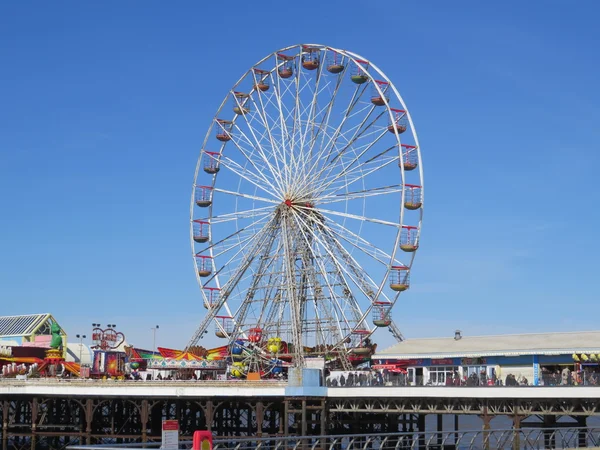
[439, 375]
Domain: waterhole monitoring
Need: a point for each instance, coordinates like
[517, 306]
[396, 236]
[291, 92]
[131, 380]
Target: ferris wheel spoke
[359, 243]
[277, 154]
[324, 125]
[249, 213]
[266, 121]
[329, 106]
[355, 268]
[300, 129]
[248, 196]
[361, 218]
[242, 172]
[323, 240]
[348, 280]
[220, 244]
[325, 173]
[224, 246]
[360, 131]
[356, 274]
[337, 160]
[349, 113]
[350, 166]
[274, 147]
[294, 301]
[296, 126]
[303, 123]
[330, 144]
[256, 144]
[310, 160]
[245, 306]
[307, 252]
[312, 114]
[240, 246]
[282, 125]
[345, 183]
[373, 192]
[338, 309]
[230, 284]
[259, 171]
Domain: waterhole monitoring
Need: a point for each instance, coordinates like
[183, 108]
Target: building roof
[21, 325]
[499, 345]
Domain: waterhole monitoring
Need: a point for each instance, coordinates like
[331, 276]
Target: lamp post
[95, 335]
[154, 328]
[81, 337]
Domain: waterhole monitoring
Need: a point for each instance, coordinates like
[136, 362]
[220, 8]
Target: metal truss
[510, 407]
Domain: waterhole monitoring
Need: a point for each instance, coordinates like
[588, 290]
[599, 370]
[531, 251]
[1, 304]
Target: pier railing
[366, 380]
[550, 438]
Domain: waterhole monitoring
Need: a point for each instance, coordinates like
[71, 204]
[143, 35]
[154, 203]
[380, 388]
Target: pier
[54, 413]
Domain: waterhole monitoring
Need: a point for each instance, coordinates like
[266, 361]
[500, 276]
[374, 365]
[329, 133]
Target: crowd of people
[568, 377]
[364, 378]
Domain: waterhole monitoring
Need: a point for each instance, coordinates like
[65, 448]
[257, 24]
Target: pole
[153, 340]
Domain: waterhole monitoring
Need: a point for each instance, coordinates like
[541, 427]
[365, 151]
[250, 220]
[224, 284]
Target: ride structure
[306, 211]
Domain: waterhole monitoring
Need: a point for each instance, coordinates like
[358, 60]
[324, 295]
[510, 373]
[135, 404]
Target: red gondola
[212, 296]
[399, 123]
[204, 265]
[379, 94]
[262, 80]
[241, 105]
[224, 130]
[360, 342]
[286, 69]
[399, 278]
[211, 162]
[382, 314]
[413, 196]
[201, 231]
[409, 238]
[409, 157]
[225, 326]
[335, 62]
[359, 71]
[203, 196]
[310, 57]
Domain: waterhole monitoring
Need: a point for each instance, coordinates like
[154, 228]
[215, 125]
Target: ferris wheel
[306, 210]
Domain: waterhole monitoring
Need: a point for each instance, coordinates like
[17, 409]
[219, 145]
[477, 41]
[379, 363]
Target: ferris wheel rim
[353, 57]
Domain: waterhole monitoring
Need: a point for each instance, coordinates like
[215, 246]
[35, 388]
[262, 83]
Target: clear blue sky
[103, 106]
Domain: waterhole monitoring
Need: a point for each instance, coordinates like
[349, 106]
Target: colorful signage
[473, 361]
[442, 362]
[409, 362]
[536, 371]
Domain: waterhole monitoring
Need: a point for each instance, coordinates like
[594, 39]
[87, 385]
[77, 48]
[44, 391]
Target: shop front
[443, 372]
[477, 372]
